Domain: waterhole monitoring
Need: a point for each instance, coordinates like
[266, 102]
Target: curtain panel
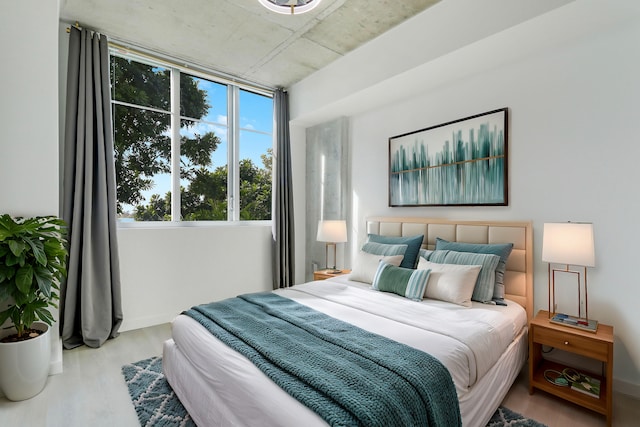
[283, 224]
[90, 300]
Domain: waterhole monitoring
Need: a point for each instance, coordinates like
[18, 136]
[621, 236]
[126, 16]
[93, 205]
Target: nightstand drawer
[571, 342]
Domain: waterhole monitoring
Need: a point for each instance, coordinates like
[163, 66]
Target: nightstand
[325, 274]
[597, 346]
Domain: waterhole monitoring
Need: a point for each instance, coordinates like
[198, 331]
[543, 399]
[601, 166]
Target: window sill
[190, 224]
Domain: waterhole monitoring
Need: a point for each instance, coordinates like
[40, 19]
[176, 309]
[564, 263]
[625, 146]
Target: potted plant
[32, 263]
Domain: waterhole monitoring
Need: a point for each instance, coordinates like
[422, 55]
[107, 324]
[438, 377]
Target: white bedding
[468, 341]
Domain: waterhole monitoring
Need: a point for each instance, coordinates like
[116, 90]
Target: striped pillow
[405, 282]
[424, 253]
[483, 290]
[503, 250]
[384, 249]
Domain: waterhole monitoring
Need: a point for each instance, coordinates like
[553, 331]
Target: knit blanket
[348, 376]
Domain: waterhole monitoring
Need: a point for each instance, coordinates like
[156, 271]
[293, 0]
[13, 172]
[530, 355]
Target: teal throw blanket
[348, 376]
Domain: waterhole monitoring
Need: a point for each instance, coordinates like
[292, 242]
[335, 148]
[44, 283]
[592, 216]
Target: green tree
[142, 145]
[255, 189]
[206, 196]
[158, 209]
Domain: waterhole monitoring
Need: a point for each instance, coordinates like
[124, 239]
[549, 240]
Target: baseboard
[627, 388]
[145, 322]
[55, 365]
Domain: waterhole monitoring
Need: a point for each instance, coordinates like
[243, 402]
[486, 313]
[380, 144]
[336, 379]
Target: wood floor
[92, 392]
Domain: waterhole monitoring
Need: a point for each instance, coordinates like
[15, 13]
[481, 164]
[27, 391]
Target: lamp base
[332, 271]
[588, 325]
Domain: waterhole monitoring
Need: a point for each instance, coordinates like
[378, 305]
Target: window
[186, 133]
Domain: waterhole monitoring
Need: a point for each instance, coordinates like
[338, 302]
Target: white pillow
[366, 265]
[450, 282]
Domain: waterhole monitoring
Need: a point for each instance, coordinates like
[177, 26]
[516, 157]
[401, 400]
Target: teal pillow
[503, 250]
[483, 290]
[383, 249]
[406, 282]
[413, 246]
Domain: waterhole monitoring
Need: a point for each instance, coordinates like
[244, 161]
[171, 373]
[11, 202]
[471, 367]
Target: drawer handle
[566, 343]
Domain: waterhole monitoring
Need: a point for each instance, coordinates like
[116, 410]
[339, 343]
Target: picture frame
[459, 163]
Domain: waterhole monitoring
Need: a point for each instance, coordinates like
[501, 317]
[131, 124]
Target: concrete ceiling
[242, 38]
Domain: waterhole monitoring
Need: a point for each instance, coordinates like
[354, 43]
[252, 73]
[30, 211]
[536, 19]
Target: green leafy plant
[33, 257]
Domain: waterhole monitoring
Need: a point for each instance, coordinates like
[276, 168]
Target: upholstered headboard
[518, 278]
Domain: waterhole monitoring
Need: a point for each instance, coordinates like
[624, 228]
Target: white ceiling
[242, 38]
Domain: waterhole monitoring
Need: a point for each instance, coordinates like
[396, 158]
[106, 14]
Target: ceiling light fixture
[290, 7]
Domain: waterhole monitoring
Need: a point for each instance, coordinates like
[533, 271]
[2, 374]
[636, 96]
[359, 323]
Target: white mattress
[218, 386]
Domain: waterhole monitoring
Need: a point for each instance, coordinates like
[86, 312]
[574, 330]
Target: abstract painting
[459, 163]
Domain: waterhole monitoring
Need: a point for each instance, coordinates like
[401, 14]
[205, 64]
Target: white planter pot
[24, 366]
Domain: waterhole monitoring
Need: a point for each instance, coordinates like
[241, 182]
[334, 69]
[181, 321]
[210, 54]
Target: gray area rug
[157, 405]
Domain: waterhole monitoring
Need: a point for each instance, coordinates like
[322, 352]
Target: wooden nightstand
[597, 346]
[325, 274]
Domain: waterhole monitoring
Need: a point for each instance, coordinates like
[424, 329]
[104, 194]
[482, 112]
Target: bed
[219, 386]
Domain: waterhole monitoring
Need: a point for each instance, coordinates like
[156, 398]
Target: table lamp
[332, 232]
[571, 244]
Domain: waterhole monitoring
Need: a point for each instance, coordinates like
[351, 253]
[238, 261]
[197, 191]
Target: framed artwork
[459, 163]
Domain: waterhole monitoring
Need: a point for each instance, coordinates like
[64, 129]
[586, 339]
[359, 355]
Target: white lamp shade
[332, 231]
[568, 243]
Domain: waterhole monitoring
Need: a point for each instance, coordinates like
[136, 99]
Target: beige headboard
[518, 278]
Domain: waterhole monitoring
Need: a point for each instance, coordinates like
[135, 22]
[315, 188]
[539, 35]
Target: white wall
[170, 269]
[29, 107]
[573, 144]
[298, 170]
[29, 116]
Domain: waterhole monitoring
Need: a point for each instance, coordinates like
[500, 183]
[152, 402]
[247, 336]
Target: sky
[256, 129]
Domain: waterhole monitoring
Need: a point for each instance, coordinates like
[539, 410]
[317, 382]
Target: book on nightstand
[575, 322]
[587, 385]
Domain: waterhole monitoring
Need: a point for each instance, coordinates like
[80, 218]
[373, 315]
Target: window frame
[234, 86]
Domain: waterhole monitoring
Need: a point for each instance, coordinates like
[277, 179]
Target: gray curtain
[90, 300]
[283, 231]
